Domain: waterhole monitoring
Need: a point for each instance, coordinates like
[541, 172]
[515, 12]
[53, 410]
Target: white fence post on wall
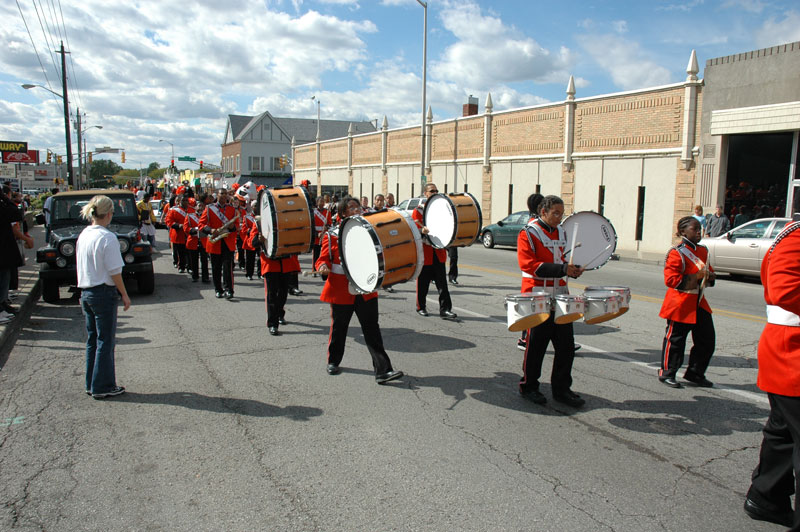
[350, 148]
[569, 124]
[689, 111]
[384, 143]
[429, 144]
[487, 130]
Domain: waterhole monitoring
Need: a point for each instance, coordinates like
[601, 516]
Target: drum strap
[219, 214]
[179, 211]
[556, 247]
[337, 268]
[779, 316]
[251, 218]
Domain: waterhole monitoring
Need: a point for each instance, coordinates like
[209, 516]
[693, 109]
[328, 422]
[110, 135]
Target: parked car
[156, 206]
[408, 205]
[57, 257]
[740, 250]
[506, 231]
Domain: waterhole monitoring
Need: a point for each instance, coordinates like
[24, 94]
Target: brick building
[632, 156]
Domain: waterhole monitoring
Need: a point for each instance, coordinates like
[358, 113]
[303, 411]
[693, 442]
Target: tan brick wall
[637, 121]
[529, 132]
[568, 188]
[305, 157]
[685, 190]
[231, 150]
[443, 141]
[367, 149]
[470, 138]
[403, 146]
[333, 153]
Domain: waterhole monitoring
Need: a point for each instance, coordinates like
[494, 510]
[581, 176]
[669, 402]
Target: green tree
[152, 168]
[101, 168]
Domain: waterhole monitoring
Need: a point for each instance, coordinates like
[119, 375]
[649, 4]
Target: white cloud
[751, 6]
[619, 26]
[488, 52]
[684, 6]
[628, 65]
[774, 32]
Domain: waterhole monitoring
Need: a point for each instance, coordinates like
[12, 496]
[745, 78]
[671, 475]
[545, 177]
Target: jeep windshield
[66, 210]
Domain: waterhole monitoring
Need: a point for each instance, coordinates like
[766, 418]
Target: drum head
[267, 224]
[440, 219]
[596, 236]
[357, 244]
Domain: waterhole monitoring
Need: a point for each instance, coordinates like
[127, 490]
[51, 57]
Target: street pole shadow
[222, 405]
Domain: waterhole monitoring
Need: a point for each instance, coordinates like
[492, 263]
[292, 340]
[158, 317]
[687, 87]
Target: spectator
[365, 203]
[48, 204]
[9, 253]
[743, 217]
[718, 223]
[379, 202]
[698, 215]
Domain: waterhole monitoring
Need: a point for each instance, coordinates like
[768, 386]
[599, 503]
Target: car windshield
[155, 204]
[752, 230]
[68, 208]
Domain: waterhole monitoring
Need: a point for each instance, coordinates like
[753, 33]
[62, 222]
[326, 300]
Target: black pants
[367, 312]
[674, 346]
[240, 251]
[179, 256]
[294, 281]
[276, 291]
[436, 273]
[203, 262]
[315, 251]
[773, 479]
[222, 270]
[194, 262]
[452, 273]
[564, 345]
[249, 262]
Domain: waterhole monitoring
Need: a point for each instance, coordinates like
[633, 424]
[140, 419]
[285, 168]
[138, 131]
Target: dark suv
[57, 258]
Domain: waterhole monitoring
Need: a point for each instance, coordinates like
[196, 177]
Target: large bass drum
[596, 236]
[453, 220]
[380, 249]
[287, 220]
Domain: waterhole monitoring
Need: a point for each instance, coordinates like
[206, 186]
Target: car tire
[50, 291]
[146, 282]
[488, 239]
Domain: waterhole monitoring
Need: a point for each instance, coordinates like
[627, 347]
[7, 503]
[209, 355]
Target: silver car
[740, 250]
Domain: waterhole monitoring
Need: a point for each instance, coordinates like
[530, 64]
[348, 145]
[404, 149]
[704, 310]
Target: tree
[152, 168]
[103, 167]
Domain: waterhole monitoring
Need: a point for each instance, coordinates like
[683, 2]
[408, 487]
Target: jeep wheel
[50, 291]
[146, 282]
[488, 239]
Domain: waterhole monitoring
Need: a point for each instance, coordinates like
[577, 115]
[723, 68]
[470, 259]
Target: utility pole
[70, 173]
[80, 159]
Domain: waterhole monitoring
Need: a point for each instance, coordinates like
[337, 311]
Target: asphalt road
[227, 428]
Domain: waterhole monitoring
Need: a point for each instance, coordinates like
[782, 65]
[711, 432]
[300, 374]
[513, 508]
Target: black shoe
[386, 377]
[206, 281]
[569, 398]
[448, 315]
[453, 282]
[759, 513]
[671, 382]
[274, 331]
[282, 321]
[522, 344]
[423, 312]
[119, 390]
[577, 346]
[534, 396]
[698, 380]
[195, 279]
[333, 369]
[227, 294]
[295, 291]
[218, 295]
[390, 289]
[181, 270]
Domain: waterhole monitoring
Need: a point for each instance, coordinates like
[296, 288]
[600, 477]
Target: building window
[237, 163]
[640, 215]
[510, 197]
[466, 188]
[601, 199]
[538, 188]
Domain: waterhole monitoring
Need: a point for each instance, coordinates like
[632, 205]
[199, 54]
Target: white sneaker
[5, 317]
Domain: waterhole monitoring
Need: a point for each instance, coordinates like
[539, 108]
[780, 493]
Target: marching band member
[433, 268]
[322, 220]
[541, 247]
[249, 244]
[378, 202]
[344, 304]
[213, 219]
[534, 200]
[239, 203]
[175, 219]
[770, 495]
[202, 204]
[147, 219]
[190, 225]
[276, 273]
[686, 273]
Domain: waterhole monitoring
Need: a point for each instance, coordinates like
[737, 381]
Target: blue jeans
[99, 304]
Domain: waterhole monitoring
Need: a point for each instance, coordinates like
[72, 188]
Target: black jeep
[57, 258]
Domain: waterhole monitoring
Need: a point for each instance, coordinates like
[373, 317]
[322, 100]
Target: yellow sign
[15, 147]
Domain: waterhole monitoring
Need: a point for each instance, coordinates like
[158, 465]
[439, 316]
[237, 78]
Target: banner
[13, 146]
[29, 156]
[8, 170]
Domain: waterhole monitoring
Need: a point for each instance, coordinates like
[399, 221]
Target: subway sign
[12, 146]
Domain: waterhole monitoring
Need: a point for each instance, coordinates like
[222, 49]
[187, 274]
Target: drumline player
[175, 219]
[433, 268]
[534, 200]
[541, 249]
[277, 274]
[221, 252]
[344, 304]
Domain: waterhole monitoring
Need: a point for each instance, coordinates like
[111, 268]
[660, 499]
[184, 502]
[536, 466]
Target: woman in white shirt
[99, 264]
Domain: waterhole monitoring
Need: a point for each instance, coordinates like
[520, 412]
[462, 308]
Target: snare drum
[527, 310]
[452, 221]
[380, 249]
[596, 236]
[568, 308]
[601, 305]
[287, 221]
[623, 291]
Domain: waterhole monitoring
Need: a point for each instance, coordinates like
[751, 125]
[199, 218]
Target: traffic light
[201, 165]
[123, 157]
[90, 157]
[282, 161]
[172, 163]
[58, 160]
[49, 156]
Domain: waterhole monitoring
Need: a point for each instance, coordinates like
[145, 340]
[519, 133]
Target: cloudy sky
[174, 70]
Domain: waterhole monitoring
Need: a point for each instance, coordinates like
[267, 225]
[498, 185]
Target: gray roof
[238, 123]
[304, 130]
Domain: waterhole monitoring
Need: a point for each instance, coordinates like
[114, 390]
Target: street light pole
[81, 181]
[424, 85]
[170, 145]
[318, 104]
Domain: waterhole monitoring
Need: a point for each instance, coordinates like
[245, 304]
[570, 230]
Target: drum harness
[777, 315]
[335, 268]
[552, 245]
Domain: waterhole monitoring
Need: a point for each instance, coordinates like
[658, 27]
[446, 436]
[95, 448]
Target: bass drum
[452, 221]
[380, 249]
[287, 221]
[596, 236]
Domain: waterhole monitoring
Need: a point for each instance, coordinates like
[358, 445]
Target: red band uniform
[250, 244]
[779, 375]
[432, 269]
[220, 252]
[194, 247]
[174, 221]
[540, 253]
[343, 304]
[277, 274]
[685, 314]
[322, 220]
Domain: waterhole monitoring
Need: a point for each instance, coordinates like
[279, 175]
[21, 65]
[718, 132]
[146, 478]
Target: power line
[33, 43]
[71, 62]
[50, 45]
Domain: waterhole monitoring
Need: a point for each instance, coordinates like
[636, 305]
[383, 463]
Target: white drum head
[596, 236]
[440, 219]
[358, 254]
[267, 223]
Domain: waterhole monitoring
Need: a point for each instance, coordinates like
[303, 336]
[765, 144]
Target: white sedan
[740, 250]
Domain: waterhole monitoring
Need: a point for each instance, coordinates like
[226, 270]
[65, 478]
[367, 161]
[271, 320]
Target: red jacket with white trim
[680, 301]
[336, 289]
[427, 249]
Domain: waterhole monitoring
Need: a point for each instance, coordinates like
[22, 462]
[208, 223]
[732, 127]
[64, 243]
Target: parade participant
[378, 202]
[534, 200]
[99, 264]
[322, 220]
[190, 225]
[238, 203]
[686, 274]
[202, 203]
[541, 249]
[249, 244]
[390, 201]
[365, 204]
[344, 304]
[147, 219]
[770, 495]
[175, 219]
[220, 217]
[433, 268]
[277, 275]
